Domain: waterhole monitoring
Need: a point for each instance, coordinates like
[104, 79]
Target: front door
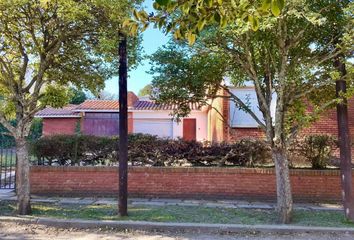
[189, 129]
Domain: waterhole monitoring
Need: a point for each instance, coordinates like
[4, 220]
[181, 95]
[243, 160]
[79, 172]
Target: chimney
[132, 99]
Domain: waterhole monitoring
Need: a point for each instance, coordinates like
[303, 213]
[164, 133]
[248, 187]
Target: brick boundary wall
[207, 183]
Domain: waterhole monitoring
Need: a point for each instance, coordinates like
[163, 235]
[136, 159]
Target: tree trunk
[344, 141]
[22, 177]
[123, 128]
[284, 197]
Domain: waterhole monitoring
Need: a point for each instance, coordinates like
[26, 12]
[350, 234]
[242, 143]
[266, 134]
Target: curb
[173, 227]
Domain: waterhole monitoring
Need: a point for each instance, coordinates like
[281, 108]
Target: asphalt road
[18, 231]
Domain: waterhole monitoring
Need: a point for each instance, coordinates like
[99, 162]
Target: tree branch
[244, 107]
[7, 125]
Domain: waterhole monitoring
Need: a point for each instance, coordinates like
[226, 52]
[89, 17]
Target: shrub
[252, 151]
[61, 149]
[147, 150]
[318, 150]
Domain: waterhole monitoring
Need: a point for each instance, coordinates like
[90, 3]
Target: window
[239, 117]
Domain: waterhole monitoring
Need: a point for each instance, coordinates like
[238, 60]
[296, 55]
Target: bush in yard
[60, 149]
[251, 151]
[54, 148]
[318, 150]
[148, 150]
[97, 150]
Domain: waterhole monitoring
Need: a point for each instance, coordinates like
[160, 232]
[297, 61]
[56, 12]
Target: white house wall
[177, 127]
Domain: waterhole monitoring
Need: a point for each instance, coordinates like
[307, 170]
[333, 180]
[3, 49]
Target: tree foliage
[47, 46]
[77, 96]
[287, 53]
[289, 59]
[145, 91]
[181, 78]
[187, 18]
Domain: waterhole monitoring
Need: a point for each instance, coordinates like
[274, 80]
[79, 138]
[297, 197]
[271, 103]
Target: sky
[138, 78]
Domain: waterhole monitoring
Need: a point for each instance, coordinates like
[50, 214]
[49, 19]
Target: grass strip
[181, 214]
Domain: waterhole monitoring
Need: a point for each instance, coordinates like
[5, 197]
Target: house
[222, 121]
[240, 125]
[100, 117]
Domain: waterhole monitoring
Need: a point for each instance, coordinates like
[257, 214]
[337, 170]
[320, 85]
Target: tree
[336, 36]
[105, 95]
[187, 18]
[123, 128]
[102, 95]
[339, 63]
[145, 91]
[77, 96]
[283, 59]
[45, 47]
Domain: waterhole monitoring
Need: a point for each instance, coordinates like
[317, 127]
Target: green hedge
[147, 150]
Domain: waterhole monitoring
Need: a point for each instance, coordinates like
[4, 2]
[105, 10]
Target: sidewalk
[10, 195]
[238, 224]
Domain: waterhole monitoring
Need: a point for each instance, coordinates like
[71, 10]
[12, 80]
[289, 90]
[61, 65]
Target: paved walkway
[10, 195]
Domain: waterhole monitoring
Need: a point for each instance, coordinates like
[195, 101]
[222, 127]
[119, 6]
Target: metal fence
[7, 164]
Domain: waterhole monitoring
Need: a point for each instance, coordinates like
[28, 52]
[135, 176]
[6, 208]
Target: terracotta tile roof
[150, 105]
[106, 105]
[98, 105]
[66, 111]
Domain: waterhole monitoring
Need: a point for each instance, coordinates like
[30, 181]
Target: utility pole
[344, 141]
[123, 127]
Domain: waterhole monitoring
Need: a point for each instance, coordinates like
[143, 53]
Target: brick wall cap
[227, 170]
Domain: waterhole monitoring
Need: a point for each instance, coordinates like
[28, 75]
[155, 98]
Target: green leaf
[145, 26]
[191, 38]
[177, 34]
[244, 16]
[281, 4]
[223, 22]
[266, 5]
[136, 14]
[126, 23]
[163, 2]
[161, 23]
[201, 24]
[217, 17]
[134, 29]
[244, 5]
[220, 2]
[254, 21]
[277, 6]
[210, 3]
[156, 6]
[172, 6]
[143, 15]
[185, 8]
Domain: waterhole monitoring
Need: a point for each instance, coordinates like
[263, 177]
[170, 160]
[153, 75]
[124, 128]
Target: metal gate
[7, 164]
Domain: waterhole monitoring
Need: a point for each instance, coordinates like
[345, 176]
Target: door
[158, 127]
[189, 129]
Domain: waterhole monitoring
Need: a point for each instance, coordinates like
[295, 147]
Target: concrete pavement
[10, 195]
